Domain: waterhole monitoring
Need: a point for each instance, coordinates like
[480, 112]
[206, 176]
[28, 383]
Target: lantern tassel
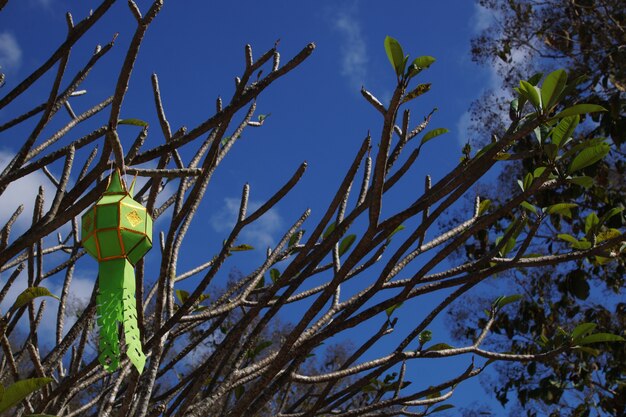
[116, 304]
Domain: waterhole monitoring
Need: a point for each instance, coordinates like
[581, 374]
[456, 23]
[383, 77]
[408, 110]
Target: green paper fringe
[116, 304]
[109, 310]
[131, 328]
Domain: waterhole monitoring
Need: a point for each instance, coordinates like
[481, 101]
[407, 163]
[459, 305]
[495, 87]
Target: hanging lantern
[117, 231]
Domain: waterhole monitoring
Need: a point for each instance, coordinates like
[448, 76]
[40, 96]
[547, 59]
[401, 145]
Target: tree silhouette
[529, 37]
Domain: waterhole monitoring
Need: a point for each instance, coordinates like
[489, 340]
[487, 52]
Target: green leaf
[608, 234]
[613, 212]
[396, 230]
[514, 107]
[538, 171]
[442, 408]
[30, 294]
[581, 245]
[508, 246]
[133, 122]
[373, 386]
[483, 206]
[531, 93]
[419, 64]
[295, 237]
[241, 248]
[423, 61]
[433, 134]
[574, 150]
[439, 346]
[329, 230]
[225, 140]
[528, 181]
[346, 243]
[583, 181]
[542, 132]
[535, 78]
[532, 255]
[563, 209]
[389, 311]
[432, 395]
[551, 150]
[521, 101]
[599, 338]
[567, 238]
[253, 352]
[260, 347]
[395, 54]
[16, 392]
[591, 221]
[529, 207]
[416, 92]
[239, 391]
[480, 152]
[502, 301]
[587, 349]
[601, 260]
[589, 156]
[274, 274]
[552, 88]
[564, 129]
[582, 330]
[182, 295]
[425, 337]
[579, 109]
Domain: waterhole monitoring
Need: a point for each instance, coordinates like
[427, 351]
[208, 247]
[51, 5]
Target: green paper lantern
[117, 231]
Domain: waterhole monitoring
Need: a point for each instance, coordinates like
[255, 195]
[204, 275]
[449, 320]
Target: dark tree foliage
[588, 38]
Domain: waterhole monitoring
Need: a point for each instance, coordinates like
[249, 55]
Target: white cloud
[16, 289]
[78, 299]
[463, 126]
[81, 288]
[497, 70]
[259, 234]
[79, 295]
[482, 19]
[22, 191]
[519, 59]
[48, 322]
[46, 4]
[10, 52]
[353, 48]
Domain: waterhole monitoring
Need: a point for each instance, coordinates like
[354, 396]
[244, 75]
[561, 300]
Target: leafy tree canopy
[528, 38]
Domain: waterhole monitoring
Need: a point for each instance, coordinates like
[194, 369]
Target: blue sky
[317, 112]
